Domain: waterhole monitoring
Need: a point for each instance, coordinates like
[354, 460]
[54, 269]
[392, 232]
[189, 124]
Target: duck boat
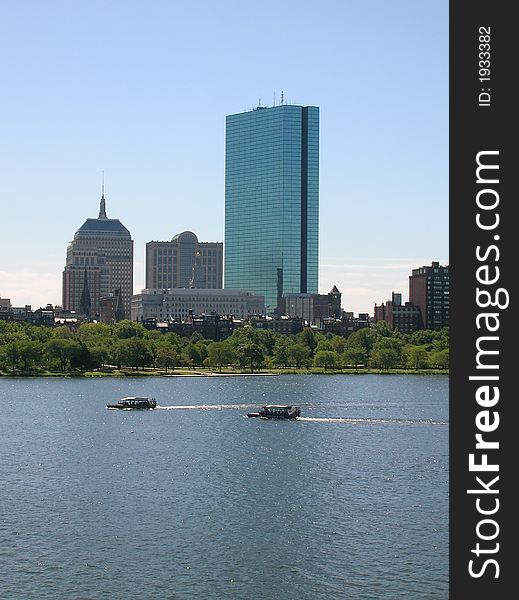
[277, 411]
[134, 402]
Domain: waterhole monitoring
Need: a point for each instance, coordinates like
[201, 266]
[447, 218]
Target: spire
[85, 297]
[119, 308]
[102, 204]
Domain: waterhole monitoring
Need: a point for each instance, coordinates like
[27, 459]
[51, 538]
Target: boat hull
[277, 412]
[123, 407]
[134, 403]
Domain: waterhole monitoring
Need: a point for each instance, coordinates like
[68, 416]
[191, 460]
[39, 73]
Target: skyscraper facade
[99, 263]
[272, 201]
[184, 262]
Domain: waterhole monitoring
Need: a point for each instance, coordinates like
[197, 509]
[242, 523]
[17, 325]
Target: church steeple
[85, 300]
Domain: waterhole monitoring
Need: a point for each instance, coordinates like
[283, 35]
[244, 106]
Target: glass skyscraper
[272, 201]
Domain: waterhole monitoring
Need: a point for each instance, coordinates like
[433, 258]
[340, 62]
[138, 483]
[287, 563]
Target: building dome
[185, 236]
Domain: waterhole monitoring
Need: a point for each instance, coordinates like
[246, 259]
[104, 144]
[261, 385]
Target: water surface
[202, 503]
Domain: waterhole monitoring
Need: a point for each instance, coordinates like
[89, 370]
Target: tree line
[34, 349]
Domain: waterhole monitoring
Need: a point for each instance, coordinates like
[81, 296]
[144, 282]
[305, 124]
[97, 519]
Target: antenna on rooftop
[282, 98]
[102, 203]
[259, 103]
[274, 99]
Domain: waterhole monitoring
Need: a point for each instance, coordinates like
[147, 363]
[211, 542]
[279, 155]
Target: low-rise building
[42, 316]
[283, 325]
[176, 304]
[111, 308]
[404, 317]
[347, 324]
[211, 327]
[5, 304]
[19, 313]
[313, 308]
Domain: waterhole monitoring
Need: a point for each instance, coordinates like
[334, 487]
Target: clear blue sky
[141, 90]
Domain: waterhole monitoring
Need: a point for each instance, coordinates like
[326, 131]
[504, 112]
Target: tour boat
[277, 411]
[134, 402]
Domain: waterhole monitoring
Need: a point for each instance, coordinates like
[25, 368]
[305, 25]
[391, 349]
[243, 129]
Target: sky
[140, 90]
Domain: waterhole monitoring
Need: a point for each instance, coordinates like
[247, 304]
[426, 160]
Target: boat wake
[205, 406]
[372, 421]
[347, 420]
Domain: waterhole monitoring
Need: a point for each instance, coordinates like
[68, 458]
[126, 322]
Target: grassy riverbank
[204, 372]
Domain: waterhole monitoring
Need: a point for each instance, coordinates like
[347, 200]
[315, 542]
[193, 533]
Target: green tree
[355, 355]
[219, 355]
[249, 354]
[383, 329]
[441, 341]
[99, 356]
[127, 329]
[196, 337]
[308, 338]
[11, 355]
[416, 357]
[82, 359]
[247, 334]
[191, 355]
[268, 340]
[324, 345]
[299, 355]
[62, 332]
[281, 350]
[133, 352]
[202, 347]
[387, 353]
[440, 359]
[63, 351]
[422, 337]
[363, 337]
[39, 334]
[23, 353]
[338, 344]
[327, 359]
[94, 333]
[167, 357]
[172, 339]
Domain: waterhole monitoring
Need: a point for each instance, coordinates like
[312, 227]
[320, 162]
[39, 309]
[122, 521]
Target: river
[201, 502]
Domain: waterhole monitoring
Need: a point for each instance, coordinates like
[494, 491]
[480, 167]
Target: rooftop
[102, 224]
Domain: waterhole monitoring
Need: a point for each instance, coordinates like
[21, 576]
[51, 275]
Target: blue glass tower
[272, 201]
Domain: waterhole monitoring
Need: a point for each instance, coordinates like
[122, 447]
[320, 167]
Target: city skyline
[143, 94]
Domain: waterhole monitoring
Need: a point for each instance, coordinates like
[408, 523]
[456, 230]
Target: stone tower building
[99, 262]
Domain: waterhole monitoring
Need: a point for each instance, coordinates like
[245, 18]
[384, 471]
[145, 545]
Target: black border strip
[478, 125]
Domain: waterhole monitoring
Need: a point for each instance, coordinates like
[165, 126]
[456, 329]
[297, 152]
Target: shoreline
[212, 374]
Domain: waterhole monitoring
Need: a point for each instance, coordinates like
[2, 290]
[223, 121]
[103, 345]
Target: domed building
[184, 262]
[99, 264]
